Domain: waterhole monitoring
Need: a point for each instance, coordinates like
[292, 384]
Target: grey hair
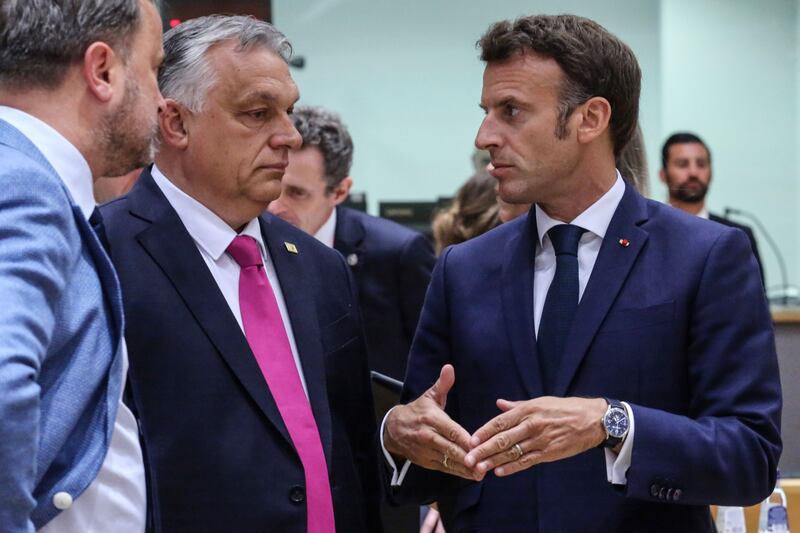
[186, 75]
[40, 39]
[325, 130]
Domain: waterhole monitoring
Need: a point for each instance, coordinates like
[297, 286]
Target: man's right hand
[422, 432]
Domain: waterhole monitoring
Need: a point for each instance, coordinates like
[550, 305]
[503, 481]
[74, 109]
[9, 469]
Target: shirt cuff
[617, 465]
[397, 477]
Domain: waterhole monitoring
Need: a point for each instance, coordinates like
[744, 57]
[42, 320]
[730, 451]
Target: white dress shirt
[326, 234]
[117, 498]
[212, 236]
[595, 220]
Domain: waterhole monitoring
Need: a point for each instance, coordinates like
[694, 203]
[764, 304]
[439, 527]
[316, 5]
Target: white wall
[406, 78]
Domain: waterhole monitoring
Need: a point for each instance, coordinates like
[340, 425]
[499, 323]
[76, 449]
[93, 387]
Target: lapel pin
[352, 260]
[290, 247]
[624, 243]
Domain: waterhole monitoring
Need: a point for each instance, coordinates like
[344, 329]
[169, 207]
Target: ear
[663, 176]
[595, 116]
[172, 122]
[103, 72]
[342, 190]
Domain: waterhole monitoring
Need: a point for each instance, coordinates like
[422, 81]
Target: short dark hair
[681, 137]
[595, 63]
[324, 130]
[40, 39]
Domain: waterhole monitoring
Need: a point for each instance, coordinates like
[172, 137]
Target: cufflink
[352, 260]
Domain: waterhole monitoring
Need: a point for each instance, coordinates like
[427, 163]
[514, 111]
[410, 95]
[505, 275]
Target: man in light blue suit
[77, 101]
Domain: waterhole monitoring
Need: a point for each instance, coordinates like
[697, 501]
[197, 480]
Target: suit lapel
[517, 297]
[172, 248]
[613, 264]
[349, 237]
[292, 270]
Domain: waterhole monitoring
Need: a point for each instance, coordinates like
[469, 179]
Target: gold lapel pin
[290, 247]
[624, 243]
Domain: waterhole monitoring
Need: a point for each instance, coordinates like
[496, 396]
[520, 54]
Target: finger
[443, 425]
[509, 455]
[433, 453]
[494, 426]
[505, 405]
[440, 527]
[439, 390]
[431, 519]
[523, 463]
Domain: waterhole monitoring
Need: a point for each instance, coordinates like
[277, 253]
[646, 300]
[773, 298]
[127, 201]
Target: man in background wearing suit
[686, 171]
[248, 365]
[77, 101]
[391, 264]
[605, 363]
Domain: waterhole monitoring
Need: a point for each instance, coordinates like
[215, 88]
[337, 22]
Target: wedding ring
[518, 448]
[444, 462]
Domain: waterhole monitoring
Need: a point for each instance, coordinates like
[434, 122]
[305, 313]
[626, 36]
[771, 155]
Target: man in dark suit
[686, 171]
[605, 363]
[391, 264]
[248, 365]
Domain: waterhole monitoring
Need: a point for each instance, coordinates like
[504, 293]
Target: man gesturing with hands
[606, 363]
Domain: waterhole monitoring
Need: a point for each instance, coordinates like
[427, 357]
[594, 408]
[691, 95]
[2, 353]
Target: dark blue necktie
[561, 302]
[96, 221]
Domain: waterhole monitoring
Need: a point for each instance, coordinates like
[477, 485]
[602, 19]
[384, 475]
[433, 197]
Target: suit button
[654, 490]
[676, 495]
[297, 494]
[62, 501]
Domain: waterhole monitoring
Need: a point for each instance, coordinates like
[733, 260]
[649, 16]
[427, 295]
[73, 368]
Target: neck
[235, 216]
[693, 208]
[579, 193]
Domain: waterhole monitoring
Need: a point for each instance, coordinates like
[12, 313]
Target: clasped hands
[526, 433]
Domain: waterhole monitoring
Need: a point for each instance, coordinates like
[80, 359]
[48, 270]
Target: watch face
[616, 422]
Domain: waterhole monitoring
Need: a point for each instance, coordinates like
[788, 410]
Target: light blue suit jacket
[60, 340]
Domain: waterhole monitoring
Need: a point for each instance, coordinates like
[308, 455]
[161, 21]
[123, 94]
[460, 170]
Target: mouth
[498, 169]
[279, 166]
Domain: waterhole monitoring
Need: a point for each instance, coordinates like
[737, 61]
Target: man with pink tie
[248, 364]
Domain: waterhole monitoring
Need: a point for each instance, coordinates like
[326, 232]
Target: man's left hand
[536, 431]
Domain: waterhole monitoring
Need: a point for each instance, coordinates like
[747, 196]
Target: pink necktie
[267, 338]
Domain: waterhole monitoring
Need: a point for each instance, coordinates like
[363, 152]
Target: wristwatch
[615, 422]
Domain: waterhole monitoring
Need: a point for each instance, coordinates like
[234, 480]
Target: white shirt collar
[703, 213]
[209, 231]
[594, 219]
[63, 156]
[327, 232]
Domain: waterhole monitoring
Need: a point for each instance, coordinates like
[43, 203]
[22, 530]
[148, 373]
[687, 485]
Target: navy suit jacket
[750, 236]
[219, 457]
[676, 324]
[392, 267]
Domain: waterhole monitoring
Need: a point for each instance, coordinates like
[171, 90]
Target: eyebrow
[258, 96]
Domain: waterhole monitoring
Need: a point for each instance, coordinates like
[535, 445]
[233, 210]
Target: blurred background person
[632, 162]
[391, 264]
[473, 211]
[686, 171]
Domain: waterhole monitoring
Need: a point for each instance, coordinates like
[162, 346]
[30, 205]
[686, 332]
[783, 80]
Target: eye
[510, 110]
[258, 114]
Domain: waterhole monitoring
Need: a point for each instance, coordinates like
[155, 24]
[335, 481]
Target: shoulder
[667, 222]
[730, 223]
[380, 231]
[302, 241]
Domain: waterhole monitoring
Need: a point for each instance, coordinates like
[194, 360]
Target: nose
[287, 136]
[276, 206]
[487, 137]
